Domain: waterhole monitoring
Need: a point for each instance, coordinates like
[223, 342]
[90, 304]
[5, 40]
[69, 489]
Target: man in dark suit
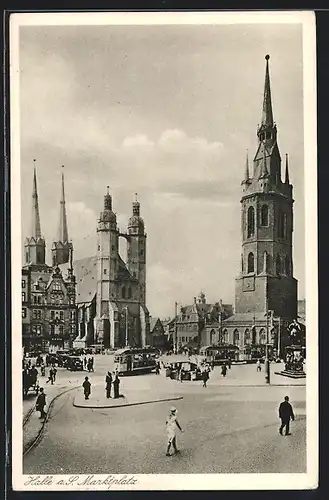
[286, 413]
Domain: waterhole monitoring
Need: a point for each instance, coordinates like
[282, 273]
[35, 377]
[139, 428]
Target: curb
[30, 445]
[128, 404]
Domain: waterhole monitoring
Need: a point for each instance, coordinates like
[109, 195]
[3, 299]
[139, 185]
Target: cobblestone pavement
[227, 429]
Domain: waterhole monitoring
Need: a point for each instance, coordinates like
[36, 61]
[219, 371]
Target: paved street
[227, 429]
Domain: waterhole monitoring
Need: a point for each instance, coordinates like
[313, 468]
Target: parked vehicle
[188, 370]
[30, 382]
[74, 363]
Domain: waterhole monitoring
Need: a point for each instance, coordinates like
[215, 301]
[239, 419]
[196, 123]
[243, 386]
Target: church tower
[35, 246]
[107, 269]
[62, 247]
[266, 279]
[136, 250]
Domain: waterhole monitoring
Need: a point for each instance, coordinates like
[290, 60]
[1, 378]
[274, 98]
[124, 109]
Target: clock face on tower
[248, 283]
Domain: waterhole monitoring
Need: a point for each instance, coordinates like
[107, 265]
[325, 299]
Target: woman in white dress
[171, 425]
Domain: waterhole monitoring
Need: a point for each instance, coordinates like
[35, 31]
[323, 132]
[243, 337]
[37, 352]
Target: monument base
[292, 374]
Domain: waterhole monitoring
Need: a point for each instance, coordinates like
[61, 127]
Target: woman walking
[171, 426]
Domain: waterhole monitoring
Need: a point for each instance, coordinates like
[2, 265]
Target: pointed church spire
[36, 227]
[267, 113]
[246, 172]
[62, 230]
[287, 171]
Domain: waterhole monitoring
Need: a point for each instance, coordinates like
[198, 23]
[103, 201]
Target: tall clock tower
[266, 279]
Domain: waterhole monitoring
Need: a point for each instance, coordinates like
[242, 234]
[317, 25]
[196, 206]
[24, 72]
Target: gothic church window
[283, 225]
[264, 215]
[251, 263]
[251, 222]
[262, 336]
[247, 339]
[123, 292]
[129, 293]
[236, 337]
[278, 264]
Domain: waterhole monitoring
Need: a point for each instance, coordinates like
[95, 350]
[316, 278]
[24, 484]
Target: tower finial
[267, 113]
[62, 228]
[36, 226]
[107, 189]
[287, 171]
[136, 198]
[246, 173]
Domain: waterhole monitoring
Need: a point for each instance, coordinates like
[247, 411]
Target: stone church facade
[266, 290]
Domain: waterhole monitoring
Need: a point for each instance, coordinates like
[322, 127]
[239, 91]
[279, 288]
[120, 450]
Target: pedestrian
[259, 368]
[92, 364]
[157, 368]
[54, 373]
[85, 362]
[51, 376]
[171, 426]
[108, 381]
[43, 370]
[229, 363]
[286, 413]
[116, 384]
[224, 370]
[41, 403]
[86, 388]
[89, 365]
[205, 377]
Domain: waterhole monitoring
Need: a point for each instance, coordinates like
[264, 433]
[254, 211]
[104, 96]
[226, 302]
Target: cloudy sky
[167, 112]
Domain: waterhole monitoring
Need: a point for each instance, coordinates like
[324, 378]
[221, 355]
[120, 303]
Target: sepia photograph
[164, 251]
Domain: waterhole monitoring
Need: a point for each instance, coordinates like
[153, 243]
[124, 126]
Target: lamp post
[175, 331]
[126, 325]
[267, 360]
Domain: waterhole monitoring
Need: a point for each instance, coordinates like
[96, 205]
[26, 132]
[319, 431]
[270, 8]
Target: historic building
[48, 295]
[266, 291]
[157, 336]
[199, 324]
[111, 293]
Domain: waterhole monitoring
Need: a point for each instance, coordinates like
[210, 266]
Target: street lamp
[267, 360]
[126, 325]
[175, 330]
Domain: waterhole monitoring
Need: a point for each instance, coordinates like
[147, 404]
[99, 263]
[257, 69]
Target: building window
[73, 315]
[24, 312]
[129, 293]
[264, 215]
[105, 271]
[52, 329]
[142, 252]
[262, 337]
[251, 263]
[39, 299]
[278, 264]
[23, 296]
[236, 337]
[123, 292]
[61, 315]
[57, 286]
[61, 329]
[99, 247]
[52, 314]
[23, 283]
[287, 265]
[247, 337]
[251, 222]
[283, 225]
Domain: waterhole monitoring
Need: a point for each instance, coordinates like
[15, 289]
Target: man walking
[171, 426]
[86, 388]
[205, 377]
[259, 368]
[41, 403]
[285, 413]
[108, 381]
[116, 384]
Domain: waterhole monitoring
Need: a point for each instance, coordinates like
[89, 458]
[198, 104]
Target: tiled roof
[85, 271]
[246, 318]
[153, 322]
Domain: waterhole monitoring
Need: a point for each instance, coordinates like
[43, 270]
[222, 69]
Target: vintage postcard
[164, 251]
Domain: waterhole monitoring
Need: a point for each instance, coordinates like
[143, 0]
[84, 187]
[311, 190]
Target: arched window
[247, 337]
[212, 337]
[287, 265]
[129, 293]
[236, 337]
[278, 264]
[262, 336]
[251, 263]
[123, 292]
[283, 225]
[251, 222]
[264, 215]
[225, 336]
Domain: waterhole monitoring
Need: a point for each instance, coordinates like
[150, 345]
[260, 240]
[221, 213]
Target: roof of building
[153, 322]
[85, 271]
[248, 318]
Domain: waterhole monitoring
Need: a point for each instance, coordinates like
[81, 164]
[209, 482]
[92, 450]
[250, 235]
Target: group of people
[88, 364]
[111, 379]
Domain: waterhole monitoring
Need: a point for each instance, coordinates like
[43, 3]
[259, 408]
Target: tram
[220, 354]
[134, 360]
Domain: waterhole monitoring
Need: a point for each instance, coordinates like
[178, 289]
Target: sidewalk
[133, 391]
